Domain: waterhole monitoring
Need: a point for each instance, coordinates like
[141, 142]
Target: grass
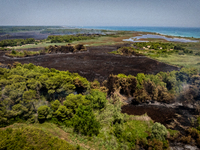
[133, 131]
[115, 52]
[30, 137]
[104, 140]
[39, 45]
[24, 53]
[173, 132]
[188, 61]
[179, 59]
[49, 131]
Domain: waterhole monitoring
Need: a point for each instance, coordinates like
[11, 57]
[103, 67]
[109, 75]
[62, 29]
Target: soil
[95, 63]
[178, 118]
[158, 114]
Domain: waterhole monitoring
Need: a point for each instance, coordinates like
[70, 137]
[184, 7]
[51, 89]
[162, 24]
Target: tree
[72, 102]
[43, 111]
[84, 121]
[97, 99]
[140, 78]
[29, 97]
[62, 113]
[55, 105]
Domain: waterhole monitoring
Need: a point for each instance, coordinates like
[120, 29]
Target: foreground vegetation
[34, 94]
[30, 138]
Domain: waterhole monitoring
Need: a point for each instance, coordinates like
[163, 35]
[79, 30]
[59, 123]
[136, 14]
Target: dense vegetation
[10, 29]
[16, 42]
[164, 86]
[25, 87]
[71, 31]
[35, 94]
[69, 38]
[29, 93]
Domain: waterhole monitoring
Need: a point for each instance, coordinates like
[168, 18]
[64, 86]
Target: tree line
[16, 42]
[69, 38]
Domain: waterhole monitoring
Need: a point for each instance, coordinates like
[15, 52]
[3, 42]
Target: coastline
[179, 32]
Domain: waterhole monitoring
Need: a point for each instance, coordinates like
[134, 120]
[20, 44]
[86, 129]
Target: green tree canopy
[84, 121]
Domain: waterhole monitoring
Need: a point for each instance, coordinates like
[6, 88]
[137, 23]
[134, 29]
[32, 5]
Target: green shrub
[97, 99]
[43, 111]
[198, 123]
[133, 132]
[13, 52]
[55, 105]
[84, 121]
[159, 132]
[62, 113]
[95, 84]
[72, 102]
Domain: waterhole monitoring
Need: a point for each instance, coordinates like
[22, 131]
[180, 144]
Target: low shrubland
[153, 49]
[126, 51]
[48, 50]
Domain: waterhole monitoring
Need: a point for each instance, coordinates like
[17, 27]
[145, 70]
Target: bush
[43, 111]
[97, 98]
[13, 52]
[72, 102]
[84, 121]
[158, 145]
[55, 105]
[132, 132]
[62, 113]
[159, 132]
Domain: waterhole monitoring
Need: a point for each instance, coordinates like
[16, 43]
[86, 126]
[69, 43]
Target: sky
[174, 13]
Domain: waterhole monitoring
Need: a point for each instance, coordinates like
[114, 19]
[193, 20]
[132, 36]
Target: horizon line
[99, 26]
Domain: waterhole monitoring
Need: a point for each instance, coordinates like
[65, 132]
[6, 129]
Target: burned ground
[95, 63]
[178, 118]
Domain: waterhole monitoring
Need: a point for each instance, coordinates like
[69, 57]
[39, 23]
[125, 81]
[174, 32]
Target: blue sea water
[173, 31]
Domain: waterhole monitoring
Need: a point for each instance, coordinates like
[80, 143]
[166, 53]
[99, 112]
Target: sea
[173, 31]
